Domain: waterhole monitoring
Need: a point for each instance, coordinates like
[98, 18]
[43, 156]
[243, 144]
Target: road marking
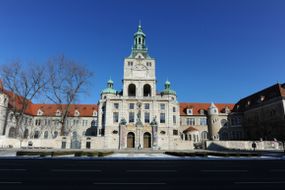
[11, 182]
[122, 183]
[224, 171]
[260, 182]
[12, 169]
[151, 170]
[64, 170]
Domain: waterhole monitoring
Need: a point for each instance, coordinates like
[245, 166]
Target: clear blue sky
[210, 50]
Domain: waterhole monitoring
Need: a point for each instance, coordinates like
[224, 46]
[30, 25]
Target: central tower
[139, 69]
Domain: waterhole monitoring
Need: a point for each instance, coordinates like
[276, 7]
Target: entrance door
[131, 140]
[147, 140]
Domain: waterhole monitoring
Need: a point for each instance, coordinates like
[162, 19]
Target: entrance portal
[131, 140]
[147, 140]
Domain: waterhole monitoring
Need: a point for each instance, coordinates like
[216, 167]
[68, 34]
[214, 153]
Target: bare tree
[68, 80]
[22, 85]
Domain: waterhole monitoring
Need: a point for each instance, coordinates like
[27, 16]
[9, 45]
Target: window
[148, 64]
[131, 117]
[116, 105]
[146, 106]
[174, 109]
[116, 117]
[162, 106]
[190, 121]
[38, 122]
[132, 90]
[36, 135]
[203, 121]
[146, 90]
[189, 111]
[204, 135]
[175, 132]
[146, 117]
[174, 119]
[46, 135]
[130, 63]
[162, 117]
[55, 134]
[131, 106]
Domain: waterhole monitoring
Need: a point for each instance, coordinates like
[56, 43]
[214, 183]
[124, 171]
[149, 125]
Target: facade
[137, 117]
[263, 113]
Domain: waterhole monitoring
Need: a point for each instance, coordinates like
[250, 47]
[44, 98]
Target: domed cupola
[139, 43]
[167, 90]
[110, 89]
[213, 110]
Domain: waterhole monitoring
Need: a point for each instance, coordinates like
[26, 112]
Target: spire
[139, 42]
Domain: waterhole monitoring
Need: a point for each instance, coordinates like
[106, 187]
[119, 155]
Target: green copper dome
[167, 90]
[110, 89]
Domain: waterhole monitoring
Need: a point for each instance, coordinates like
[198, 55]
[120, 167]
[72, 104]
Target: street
[141, 174]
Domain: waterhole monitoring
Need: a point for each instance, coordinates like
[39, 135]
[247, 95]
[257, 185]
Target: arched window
[204, 135]
[46, 135]
[36, 135]
[26, 133]
[146, 90]
[55, 134]
[132, 90]
[12, 132]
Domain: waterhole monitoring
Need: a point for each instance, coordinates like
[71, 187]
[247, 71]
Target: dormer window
[202, 112]
[94, 113]
[189, 111]
[227, 110]
[262, 98]
[58, 113]
[76, 113]
[40, 112]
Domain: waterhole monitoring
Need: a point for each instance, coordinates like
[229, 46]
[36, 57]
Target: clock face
[140, 67]
[140, 71]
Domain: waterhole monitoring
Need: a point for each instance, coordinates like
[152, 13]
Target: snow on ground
[139, 155]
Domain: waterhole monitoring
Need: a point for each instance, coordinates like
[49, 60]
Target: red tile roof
[85, 110]
[201, 106]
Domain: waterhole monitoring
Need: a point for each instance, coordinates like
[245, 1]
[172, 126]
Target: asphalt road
[141, 174]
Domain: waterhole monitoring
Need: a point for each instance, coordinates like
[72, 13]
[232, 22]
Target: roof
[85, 110]
[260, 97]
[190, 129]
[202, 106]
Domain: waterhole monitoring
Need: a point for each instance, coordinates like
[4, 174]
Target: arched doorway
[131, 140]
[147, 140]
[146, 90]
[132, 90]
